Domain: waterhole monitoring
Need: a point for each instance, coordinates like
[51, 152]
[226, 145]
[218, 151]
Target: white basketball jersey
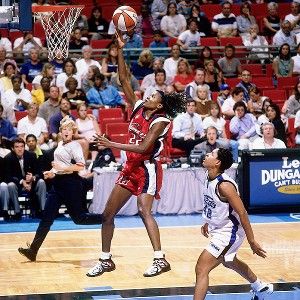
[216, 212]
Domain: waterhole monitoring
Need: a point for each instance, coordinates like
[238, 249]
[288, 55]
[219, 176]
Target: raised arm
[123, 74]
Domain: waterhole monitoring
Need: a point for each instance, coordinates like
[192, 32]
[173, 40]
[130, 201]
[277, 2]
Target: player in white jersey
[228, 224]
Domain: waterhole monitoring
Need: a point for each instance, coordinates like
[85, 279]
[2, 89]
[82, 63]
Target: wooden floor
[66, 256]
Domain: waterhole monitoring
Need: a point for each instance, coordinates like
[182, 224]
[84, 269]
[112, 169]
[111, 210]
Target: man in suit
[23, 176]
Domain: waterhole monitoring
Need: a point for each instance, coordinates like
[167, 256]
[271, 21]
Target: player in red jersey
[142, 174]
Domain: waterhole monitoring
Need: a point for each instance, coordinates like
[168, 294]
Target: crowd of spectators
[218, 114]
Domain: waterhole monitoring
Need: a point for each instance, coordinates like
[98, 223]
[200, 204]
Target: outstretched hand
[204, 230]
[258, 250]
[119, 38]
[102, 140]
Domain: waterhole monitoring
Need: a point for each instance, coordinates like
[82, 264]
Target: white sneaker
[159, 265]
[103, 265]
[263, 293]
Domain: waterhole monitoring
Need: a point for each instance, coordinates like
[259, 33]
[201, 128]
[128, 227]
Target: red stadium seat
[232, 82]
[100, 44]
[263, 82]
[118, 138]
[287, 83]
[4, 32]
[169, 150]
[269, 70]
[291, 133]
[20, 114]
[254, 69]
[106, 121]
[147, 41]
[14, 34]
[235, 41]
[172, 41]
[211, 10]
[276, 96]
[209, 41]
[110, 113]
[116, 128]
[74, 112]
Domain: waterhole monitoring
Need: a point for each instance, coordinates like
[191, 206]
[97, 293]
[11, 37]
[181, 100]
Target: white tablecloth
[181, 193]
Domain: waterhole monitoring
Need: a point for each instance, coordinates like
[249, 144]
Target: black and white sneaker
[28, 253]
[103, 265]
[263, 293]
[159, 265]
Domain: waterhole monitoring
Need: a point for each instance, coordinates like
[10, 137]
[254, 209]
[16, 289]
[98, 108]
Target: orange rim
[52, 8]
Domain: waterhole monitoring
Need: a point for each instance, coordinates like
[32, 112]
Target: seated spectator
[284, 35]
[185, 8]
[205, 55]
[69, 70]
[173, 23]
[159, 83]
[144, 24]
[189, 38]
[5, 43]
[202, 101]
[103, 95]
[267, 141]
[115, 82]
[22, 45]
[216, 120]
[98, 26]
[223, 94]
[203, 23]
[16, 98]
[272, 21]
[82, 24]
[245, 84]
[171, 63]
[7, 131]
[213, 76]
[84, 63]
[294, 18]
[159, 9]
[77, 42]
[245, 20]
[187, 129]
[229, 64]
[32, 67]
[283, 64]
[32, 124]
[9, 70]
[213, 141]
[199, 79]
[87, 127]
[58, 63]
[184, 75]
[243, 125]
[158, 40]
[23, 175]
[263, 117]
[143, 66]
[296, 61]
[133, 40]
[149, 80]
[255, 103]
[297, 127]
[110, 62]
[73, 94]
[51, 106]
[47, 71]
[273, 114]
[255, 44]
[224, 24]
[237, 95]
[292, 105]
[89, 79]
[40, 95]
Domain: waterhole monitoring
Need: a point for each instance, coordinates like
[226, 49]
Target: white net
[58, 26]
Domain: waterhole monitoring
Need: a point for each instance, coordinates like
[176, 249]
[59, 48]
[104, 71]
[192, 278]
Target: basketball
[125, 18]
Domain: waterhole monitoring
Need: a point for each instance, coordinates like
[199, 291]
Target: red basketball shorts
[144, 177]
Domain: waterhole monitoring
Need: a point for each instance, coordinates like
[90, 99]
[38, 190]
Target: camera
[196, 157]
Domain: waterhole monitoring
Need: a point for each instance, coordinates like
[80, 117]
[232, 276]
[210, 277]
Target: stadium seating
[276, 96]
[169, 150]
[287, 83]
[291, 133]
[118, 138]
[116, 128]
[254, 69]
[209, 41]
[20, 114]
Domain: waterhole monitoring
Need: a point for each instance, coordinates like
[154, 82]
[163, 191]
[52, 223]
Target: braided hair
[173, 103]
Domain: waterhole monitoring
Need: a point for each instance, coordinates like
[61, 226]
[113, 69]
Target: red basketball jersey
[139, 127]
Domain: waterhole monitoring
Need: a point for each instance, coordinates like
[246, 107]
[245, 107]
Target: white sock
[105, 255]
[257, 285]
[158, 254]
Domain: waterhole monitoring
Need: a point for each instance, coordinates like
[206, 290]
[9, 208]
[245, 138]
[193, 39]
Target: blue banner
[274, 182]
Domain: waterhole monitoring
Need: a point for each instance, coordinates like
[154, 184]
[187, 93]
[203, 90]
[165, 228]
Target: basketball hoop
[58, 22]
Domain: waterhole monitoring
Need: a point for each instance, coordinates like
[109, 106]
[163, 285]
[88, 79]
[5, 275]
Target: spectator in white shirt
[47, 71]
[5, 43]
[189, 38]
[16, 98]
[296, 59]
[32, 124]
[173, 24]
[83, 64]
[294, 18]
[23, 44]
[170, 64]
[267, 141]
[159, 83]
[187, 129]
[191, 88]
[224, 24]
[237, 95]
[285, 35]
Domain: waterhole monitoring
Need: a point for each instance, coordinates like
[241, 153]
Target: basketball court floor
[70, 250]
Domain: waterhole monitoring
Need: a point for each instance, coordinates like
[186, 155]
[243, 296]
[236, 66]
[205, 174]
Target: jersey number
[134, 139]
[207, 211]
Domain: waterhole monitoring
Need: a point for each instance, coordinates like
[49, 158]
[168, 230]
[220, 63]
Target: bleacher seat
[172, 41]
[118, 138]
[287, 83]
[169, 150]
[263, 82]
[14, 34]
[276, 96]
[291, 133]
[235, 41]
[106, 121]
[147, 40]
[209, 41]
[110, 113]
[232, 82]
[254, 69]
[211, 10]
[116, 128]
[100, 44]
